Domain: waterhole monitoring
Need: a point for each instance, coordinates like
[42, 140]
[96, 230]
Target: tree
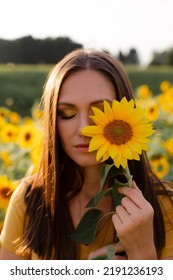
[31, 51]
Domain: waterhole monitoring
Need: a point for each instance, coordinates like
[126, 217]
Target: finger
[99, 252]
[129, 205]
[134, 186]
[122, 213]
[117, 221]
[135, 196]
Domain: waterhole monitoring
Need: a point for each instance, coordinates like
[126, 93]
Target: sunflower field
[20, 149]
[21, 140]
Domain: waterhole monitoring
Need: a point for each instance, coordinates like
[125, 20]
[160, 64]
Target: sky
[113, 25]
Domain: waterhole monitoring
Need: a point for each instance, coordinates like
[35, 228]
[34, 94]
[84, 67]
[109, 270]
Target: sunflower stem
[129, 176]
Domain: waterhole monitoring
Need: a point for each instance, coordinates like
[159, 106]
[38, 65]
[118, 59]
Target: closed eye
[66, 115]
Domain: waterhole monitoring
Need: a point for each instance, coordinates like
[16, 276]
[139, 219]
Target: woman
[45, 210]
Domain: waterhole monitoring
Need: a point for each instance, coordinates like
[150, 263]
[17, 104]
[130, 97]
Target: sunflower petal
[112, 151]
[96, 142]
[126, 151]
[135, 155]
[117, 159]
[100, 115]
[105, 157]
[92, 130]
[102, 150]
[134, 146]
[123, 162]
[108, 111]
[99, 121]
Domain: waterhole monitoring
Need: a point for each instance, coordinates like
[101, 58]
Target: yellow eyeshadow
[66, 113]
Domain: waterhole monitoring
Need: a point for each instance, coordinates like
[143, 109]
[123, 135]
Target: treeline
[163, 58]
[28, 50]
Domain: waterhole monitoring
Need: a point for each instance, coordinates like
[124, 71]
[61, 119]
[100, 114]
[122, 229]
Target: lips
[82, 145]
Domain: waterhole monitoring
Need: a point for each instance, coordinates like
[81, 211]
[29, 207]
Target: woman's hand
[133, 222]
[120, 253]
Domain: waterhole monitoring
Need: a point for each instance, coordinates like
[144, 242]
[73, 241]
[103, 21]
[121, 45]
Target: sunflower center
[27, 136]
[118, 132]
[5, 192]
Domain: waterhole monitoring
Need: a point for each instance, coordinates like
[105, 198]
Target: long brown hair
[50, 227]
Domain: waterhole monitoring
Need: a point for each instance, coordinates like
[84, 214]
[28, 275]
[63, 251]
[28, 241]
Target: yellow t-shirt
[15, 222]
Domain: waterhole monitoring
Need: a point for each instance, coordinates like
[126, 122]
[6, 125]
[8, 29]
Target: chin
[85, 160]
[86, 164]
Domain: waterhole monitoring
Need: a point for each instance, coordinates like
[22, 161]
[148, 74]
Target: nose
[84, 120]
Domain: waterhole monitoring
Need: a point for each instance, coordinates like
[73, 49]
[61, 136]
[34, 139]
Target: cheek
[64, 132]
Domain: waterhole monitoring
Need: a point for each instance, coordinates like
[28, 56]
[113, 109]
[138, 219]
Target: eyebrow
[92, 103]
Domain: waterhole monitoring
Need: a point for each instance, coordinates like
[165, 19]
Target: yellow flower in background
[6, 189]
[35, 156]
[160, 166]
[120, 132]
[14, 118]
[9, 133]
[164, 86]
[2, 122]
[4, 112]
[166, 101]
[29, 136]
[144, 92]
[5, 156]
[27, 120]
[37, 114]
[169, 146]
[152, 112]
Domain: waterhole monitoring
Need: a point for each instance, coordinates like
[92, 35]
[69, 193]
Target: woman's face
[78, 93]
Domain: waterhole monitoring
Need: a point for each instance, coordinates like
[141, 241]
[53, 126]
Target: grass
[151, 76]
[23, 84]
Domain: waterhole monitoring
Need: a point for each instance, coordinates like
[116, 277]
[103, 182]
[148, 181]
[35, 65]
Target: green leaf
[104, 174]
[86, 229]
[109, 171]
[120, 180]
[93, 202]
[111, 250]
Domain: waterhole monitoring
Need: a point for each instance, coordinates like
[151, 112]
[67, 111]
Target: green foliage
[21, 86]
[152, 76]
[32, 51]
[86, 230]
[163, 58]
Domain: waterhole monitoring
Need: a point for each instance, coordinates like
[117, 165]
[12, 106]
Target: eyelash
[70, 117]
[67, 118]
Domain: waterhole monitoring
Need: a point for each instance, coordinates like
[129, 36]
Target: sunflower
[166, 100]
[160, 166]
[169, 146]
[29, 136]
[5, 156]
[120, 132]
[152, 112]
[164, 86]
[144, 92]
[14, 118]
[9, 133]
[6, 189]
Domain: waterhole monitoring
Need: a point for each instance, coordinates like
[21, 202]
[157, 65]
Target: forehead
[86, 86]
